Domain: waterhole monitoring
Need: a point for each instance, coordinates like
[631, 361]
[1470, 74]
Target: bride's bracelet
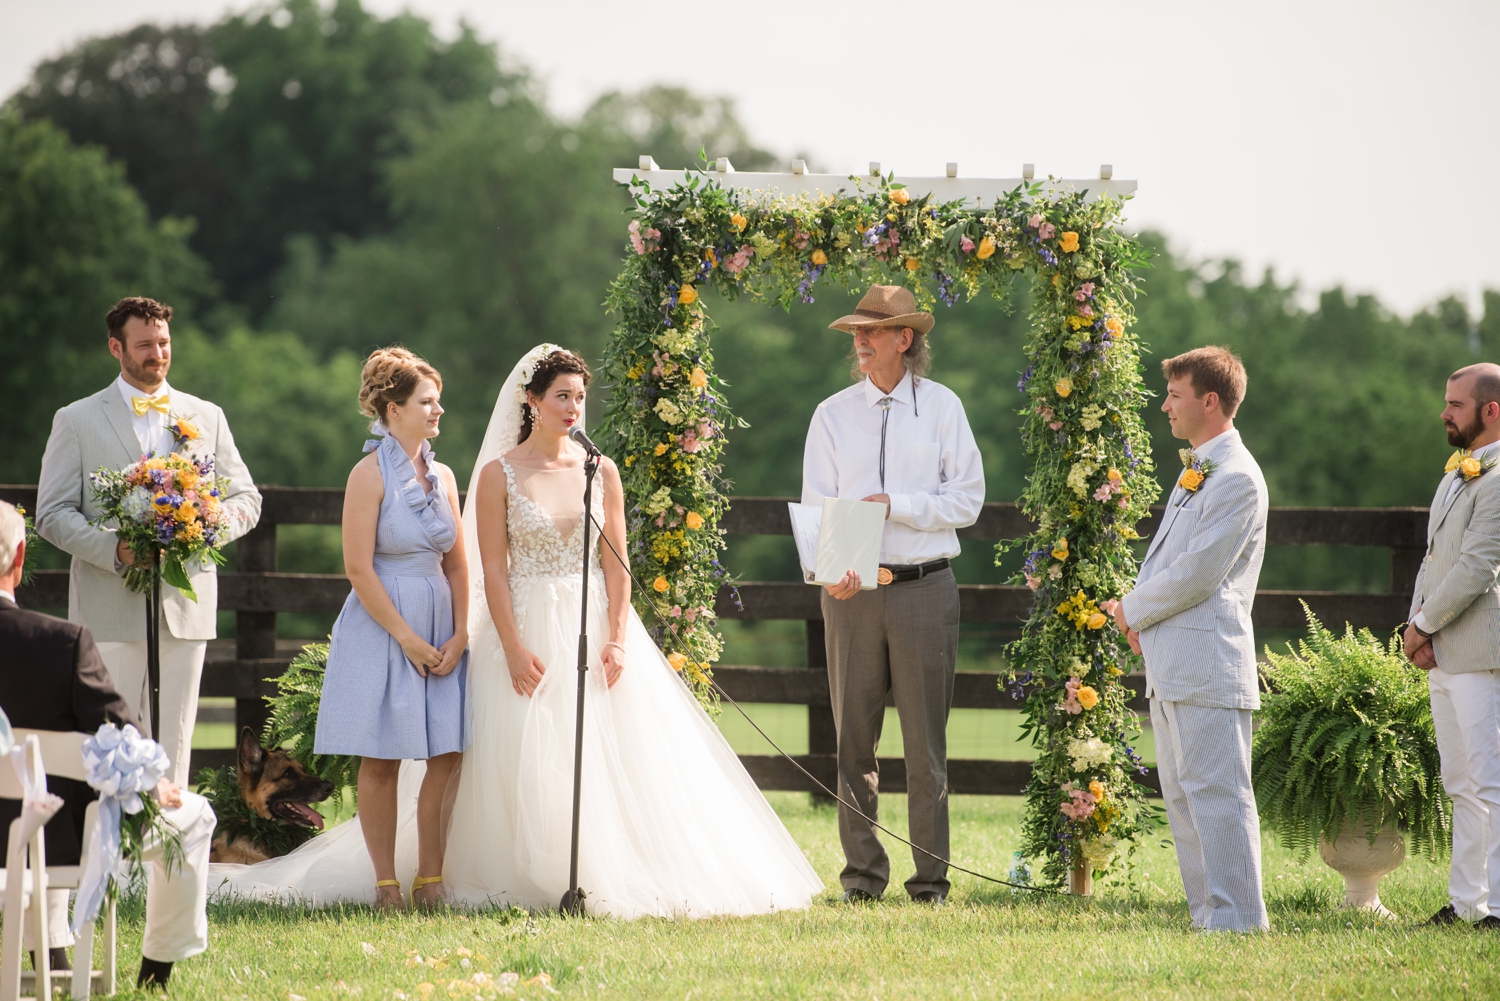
[613, 643]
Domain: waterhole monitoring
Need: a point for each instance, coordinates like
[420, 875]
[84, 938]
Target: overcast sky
[1340, 142]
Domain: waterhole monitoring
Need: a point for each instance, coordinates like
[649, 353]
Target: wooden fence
[256, 592]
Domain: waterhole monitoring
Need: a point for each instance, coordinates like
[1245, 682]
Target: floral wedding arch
[777, 236]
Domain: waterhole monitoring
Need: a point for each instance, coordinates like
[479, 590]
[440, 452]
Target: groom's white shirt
[150, 427]
[99, 431]
[1192, 600]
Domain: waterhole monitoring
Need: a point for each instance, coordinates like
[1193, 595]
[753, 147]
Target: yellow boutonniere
[1195, 472]
[1467, 466]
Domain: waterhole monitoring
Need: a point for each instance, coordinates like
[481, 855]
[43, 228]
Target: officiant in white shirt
[900, 439]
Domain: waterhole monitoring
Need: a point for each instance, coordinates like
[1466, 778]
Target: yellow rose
[699, 379]
[1097, 620]
[1114, 325]
[912, 264]
[661, 449]
[819, 258]
[986, 249]
[1064, 387]
[1087, 697]
[1060, 550]
[687, 295]
[1069, 242]
[1096, 788]
[677, 660]
[186, 511]
[900, 196]
[187, 479]
[660, 585]
[1114, 476]
[739, 222]
[694, 520]
[1191, 480]
[1470, 467]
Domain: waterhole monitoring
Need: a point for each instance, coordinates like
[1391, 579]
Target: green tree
[74, 238]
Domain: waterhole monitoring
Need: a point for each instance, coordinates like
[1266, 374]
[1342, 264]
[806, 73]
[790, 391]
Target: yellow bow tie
[161, 403]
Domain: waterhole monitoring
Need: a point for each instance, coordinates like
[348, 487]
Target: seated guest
[51, 678]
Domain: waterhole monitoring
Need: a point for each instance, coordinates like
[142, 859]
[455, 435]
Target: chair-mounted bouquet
[166, 510]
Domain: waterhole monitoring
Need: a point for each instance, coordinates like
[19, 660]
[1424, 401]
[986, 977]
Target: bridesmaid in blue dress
[397, 680]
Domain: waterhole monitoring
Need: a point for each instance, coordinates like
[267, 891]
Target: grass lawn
[1125, 942]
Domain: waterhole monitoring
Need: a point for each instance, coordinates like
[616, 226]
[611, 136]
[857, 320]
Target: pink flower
[1055, 425]
[656, 371]
[1035, 221]
[1080, 803]
[1047, 231]
[692, 613]
[800, 240]
[1046, 413]
[1124, 503]
[739, 260]
[690, 443]
[676, 612]
[966, 245]
[705, 431]
[895, 238]
[1087, 288]
[1033, 582]
[1070, 701]
[1085, 310]
[1104, 492]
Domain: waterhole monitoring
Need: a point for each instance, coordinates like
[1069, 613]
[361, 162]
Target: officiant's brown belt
[900, 573]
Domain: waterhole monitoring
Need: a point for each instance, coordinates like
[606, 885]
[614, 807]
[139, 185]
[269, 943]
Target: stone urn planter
[1362, 864]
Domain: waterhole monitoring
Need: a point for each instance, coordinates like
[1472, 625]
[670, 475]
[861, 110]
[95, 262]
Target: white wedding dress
[672, 825]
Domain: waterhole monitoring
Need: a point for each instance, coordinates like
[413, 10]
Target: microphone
[582, 438]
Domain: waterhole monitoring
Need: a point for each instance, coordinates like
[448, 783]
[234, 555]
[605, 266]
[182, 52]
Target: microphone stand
[153, 644]
[572, 901]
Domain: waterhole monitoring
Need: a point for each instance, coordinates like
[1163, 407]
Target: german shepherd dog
[276, 788]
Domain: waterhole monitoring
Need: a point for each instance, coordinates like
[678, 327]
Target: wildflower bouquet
[167, 511]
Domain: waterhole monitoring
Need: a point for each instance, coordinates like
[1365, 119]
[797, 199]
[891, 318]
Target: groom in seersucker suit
[1189, 616]
[113, 428]
[1454, 635]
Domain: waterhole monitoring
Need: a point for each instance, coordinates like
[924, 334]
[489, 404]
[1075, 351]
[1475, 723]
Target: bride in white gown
[672, 825]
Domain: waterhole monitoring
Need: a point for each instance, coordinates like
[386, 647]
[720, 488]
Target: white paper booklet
[840, 536]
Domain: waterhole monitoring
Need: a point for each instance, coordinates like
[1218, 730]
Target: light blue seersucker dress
[375, 704]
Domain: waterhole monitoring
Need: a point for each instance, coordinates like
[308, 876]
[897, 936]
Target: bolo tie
[885, 419]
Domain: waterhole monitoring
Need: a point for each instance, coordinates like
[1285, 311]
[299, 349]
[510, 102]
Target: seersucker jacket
[95, 432]
[1456, 590]
[1196, 587]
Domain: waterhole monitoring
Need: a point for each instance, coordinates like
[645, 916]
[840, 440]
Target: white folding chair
[22, 882]
[63, 752]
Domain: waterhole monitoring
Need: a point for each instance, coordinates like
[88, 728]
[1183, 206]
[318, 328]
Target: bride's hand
[452, 652]
[614, 663]
[526, 670]
[422, 654]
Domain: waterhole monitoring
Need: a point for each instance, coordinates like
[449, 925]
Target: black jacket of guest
[52, 678]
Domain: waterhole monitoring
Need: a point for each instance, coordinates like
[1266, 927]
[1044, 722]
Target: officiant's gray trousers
[900, 639]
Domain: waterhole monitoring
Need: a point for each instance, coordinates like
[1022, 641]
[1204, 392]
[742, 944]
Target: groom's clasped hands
[1113, 608]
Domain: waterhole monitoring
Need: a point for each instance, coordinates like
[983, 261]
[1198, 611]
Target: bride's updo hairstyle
[391, 376]
[560, 362]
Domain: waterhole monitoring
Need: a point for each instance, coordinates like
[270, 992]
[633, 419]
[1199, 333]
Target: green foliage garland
[1345, 736]
[1092, 458]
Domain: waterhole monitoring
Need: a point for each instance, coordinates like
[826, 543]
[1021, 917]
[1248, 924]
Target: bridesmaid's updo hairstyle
[560, 362]
[391, 376]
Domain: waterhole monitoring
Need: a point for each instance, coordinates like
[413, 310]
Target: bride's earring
[536, 417]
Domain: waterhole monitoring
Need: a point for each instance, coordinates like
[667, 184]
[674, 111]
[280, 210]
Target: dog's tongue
[312, 816]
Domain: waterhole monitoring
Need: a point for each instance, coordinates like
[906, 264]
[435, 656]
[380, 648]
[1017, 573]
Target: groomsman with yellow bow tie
[138, 414]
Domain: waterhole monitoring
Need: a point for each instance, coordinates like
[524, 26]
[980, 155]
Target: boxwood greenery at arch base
[1091, 478]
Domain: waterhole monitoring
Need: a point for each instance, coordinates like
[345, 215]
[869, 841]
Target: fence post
[822, 738]
[255, 632]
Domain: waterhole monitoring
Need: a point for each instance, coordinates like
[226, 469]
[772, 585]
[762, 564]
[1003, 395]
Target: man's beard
[142, 374]
[1463, 437]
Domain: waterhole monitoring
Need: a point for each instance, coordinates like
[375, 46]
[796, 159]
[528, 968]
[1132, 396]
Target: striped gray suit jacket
[1192, 599]
[1456, 590]
[96, 431]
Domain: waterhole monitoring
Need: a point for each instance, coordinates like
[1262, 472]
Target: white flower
[1098, 852]
[658, 502]
[1089, 753]
[668, 411]
[137, 505]
[675, 340]
[1092, 415]
[1078, 477]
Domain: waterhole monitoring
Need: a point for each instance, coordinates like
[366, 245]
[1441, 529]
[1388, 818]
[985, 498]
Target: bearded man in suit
[133, 416]
[52, 678]
[1454, 635]
[1189, 617]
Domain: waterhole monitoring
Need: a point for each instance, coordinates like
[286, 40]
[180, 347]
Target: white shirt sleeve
[820, 475]
[960, 492]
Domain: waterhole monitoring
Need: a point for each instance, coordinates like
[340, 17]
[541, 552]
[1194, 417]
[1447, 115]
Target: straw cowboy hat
[885, 306]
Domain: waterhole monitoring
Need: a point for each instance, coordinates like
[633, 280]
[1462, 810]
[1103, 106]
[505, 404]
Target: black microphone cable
[668, 626]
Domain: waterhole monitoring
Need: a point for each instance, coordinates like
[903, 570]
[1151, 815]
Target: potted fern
[1345, 758]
